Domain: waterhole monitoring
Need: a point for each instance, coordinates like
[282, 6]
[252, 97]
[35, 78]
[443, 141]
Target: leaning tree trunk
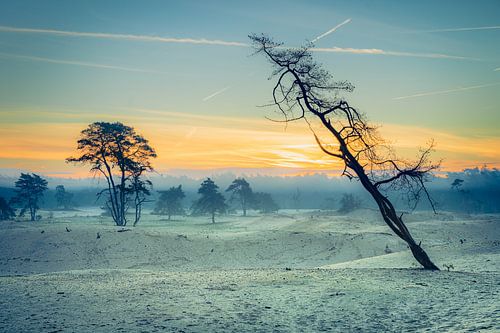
[304, 92]
[391, 218]
[385, 206]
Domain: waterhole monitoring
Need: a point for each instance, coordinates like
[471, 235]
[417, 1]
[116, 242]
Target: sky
[183, 75]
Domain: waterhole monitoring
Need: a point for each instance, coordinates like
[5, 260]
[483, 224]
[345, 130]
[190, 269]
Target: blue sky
[181, 71]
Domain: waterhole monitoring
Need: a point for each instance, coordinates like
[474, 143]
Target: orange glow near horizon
[226, 143]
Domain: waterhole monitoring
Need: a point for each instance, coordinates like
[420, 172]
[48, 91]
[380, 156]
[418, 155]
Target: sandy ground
[302, 271]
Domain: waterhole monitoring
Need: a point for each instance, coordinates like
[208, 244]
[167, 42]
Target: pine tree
[63, 198]
[170, 202]
[6, 211]
[118, 153]
[242, 192]
[211, 201]
[264, 202]
[29, 191]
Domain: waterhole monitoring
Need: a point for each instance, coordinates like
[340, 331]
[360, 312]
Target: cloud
[389, 53]
[218, 92]
[494, 27]
[441, 92]
[44, 146]
[74, 63]
[332, 30]
[467, 148]
[142, 38]
[189, 134]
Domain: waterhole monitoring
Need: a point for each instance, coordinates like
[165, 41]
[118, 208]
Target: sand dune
[294, 271]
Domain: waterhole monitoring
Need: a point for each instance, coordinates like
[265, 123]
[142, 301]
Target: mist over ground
[478, 193]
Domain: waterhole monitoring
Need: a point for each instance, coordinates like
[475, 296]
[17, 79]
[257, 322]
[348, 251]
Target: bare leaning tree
[306, 91]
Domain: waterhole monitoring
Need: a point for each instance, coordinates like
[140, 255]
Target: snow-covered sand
[294, 271]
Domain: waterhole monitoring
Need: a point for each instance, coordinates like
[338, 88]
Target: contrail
[75, 63]
[332, 30]
[215, 93]
[390, 53]
[143, 38]
[494, 27]
[440, 92]
[146, 38]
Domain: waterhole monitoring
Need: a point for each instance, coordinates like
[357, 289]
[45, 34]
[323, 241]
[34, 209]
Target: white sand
[193, 276]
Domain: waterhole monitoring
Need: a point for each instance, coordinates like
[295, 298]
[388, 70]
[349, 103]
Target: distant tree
[29, 191]
[264, 202]
[304, 90]
[329, 203]
[457, 184]
[296, 196]
[468, 202]
[348, 203]
[170, 202]
[6, 211]
[63, 198]
[118, 153]
[211, 201]
[241, 191]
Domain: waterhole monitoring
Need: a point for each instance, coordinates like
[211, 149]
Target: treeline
[470, 191]
[475, 190]
[27, 196]
[30, 189]
[123, 158]
[211, 201]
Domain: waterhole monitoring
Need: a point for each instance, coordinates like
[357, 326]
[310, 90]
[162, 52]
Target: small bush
[6, 211]
[349, 203]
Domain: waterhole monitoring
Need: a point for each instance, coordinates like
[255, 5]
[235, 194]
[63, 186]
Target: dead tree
[306, 91]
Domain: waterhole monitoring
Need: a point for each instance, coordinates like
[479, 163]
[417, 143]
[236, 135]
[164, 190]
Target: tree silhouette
[241, 191]
[118, 153]
[306, 91]
[6, 211]
[63, 198]
[468, 201]
[29, 191]
[296, 196]
[348, 203]
[170, 202]
[457, 184]
[264, 202]
[139, 190]
[211, 200]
